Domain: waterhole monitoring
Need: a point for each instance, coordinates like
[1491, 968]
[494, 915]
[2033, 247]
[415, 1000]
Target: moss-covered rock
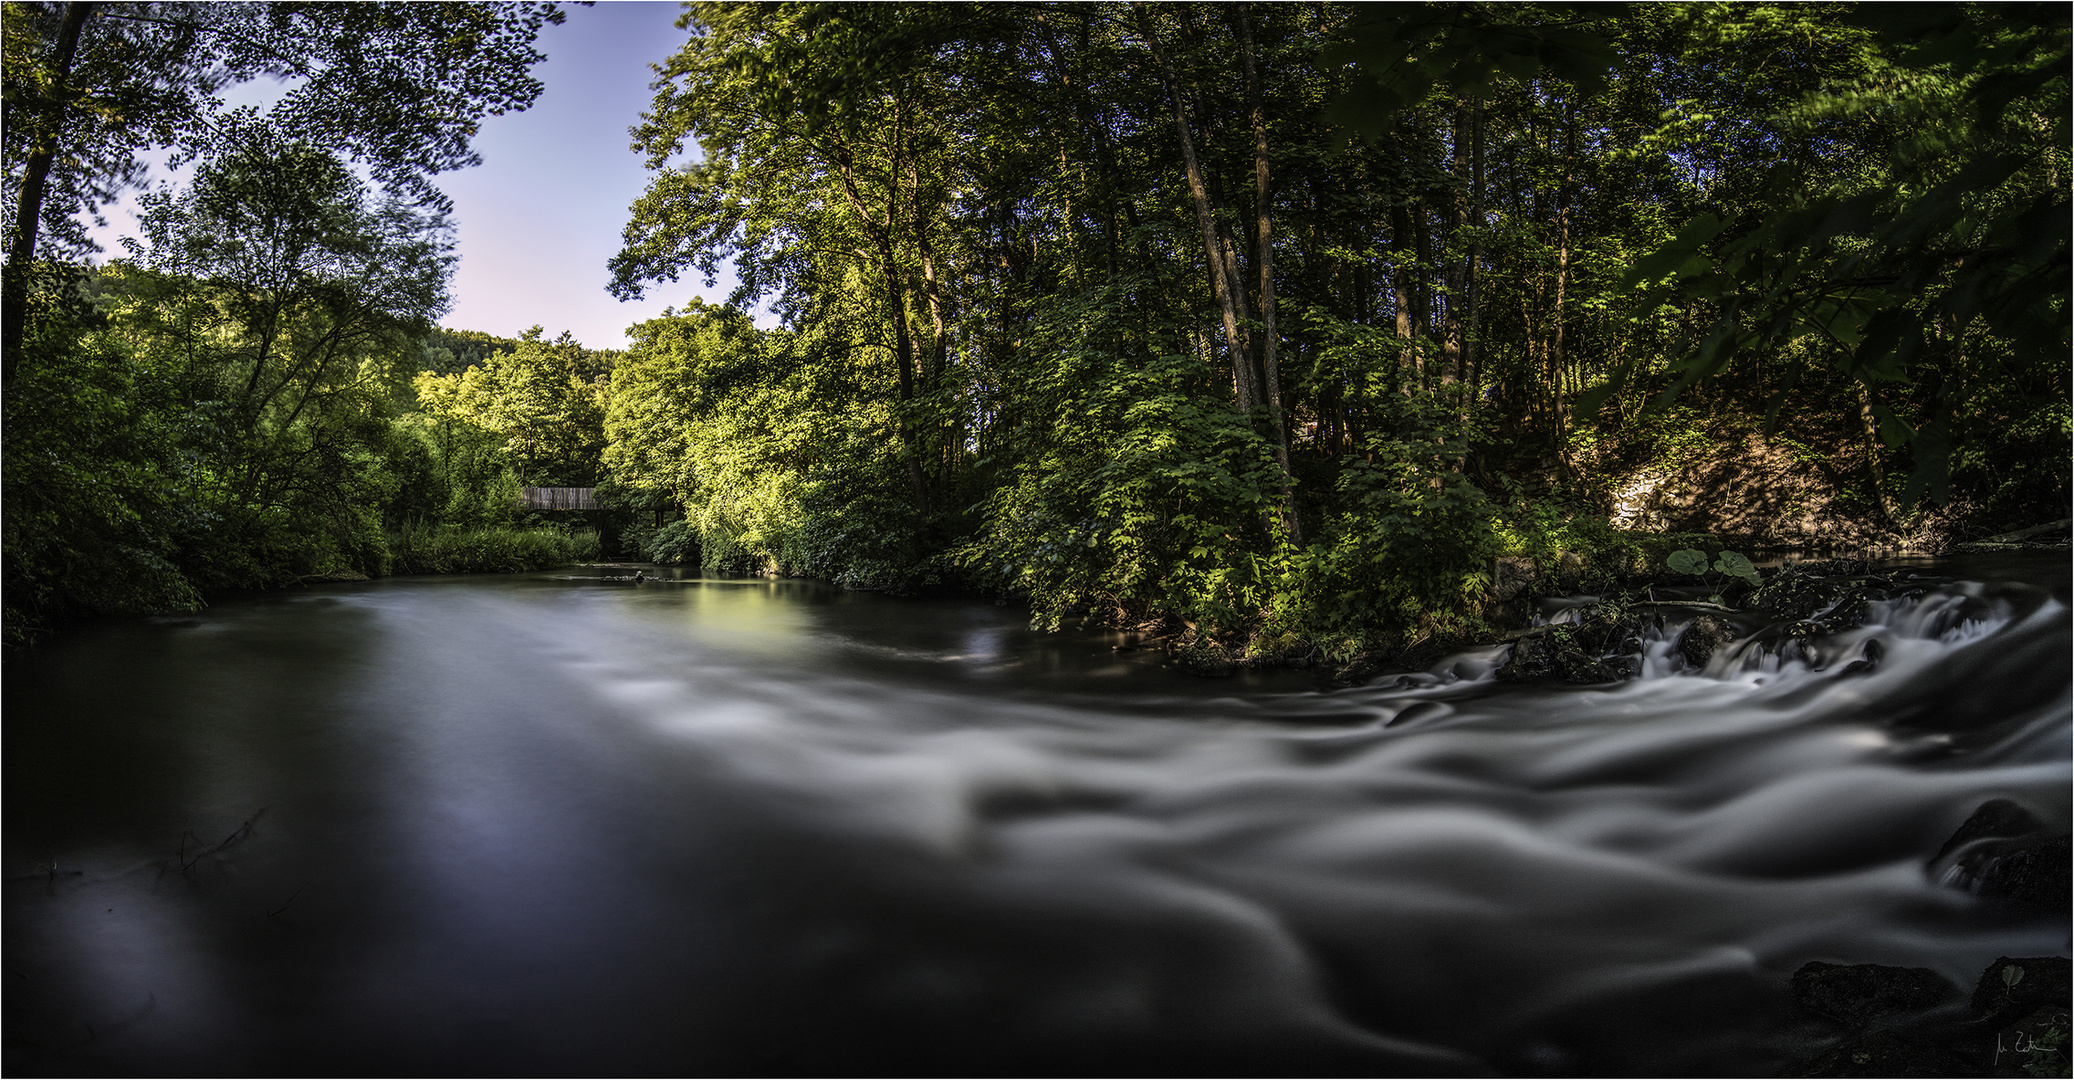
[1571, 654]
[1199, 655]
[1705, 636]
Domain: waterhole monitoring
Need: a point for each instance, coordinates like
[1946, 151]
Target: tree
[826, 131]
[288, 298]
[543, 402]
[398, 87]
[1941, 266]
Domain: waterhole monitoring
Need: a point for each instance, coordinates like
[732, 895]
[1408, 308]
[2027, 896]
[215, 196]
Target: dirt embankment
[1762, 493]
[1777, 493]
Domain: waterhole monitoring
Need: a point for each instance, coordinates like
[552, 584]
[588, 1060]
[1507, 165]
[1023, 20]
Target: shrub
[676, 542]
[421, 550]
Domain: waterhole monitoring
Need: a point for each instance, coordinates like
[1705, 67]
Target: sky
[536, 223]
[541, 216]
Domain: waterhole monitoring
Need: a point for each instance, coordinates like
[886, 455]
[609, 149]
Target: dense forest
[1280, 322]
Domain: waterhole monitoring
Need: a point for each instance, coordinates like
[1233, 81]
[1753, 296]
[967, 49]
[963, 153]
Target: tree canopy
[1291, 326]
[400, 88]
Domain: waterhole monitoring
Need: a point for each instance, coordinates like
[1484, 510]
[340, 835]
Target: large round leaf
[1689, 561]
[1734, 564]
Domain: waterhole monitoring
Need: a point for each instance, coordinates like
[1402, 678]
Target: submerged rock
[2004, 850]
[2011, 989]
[1911, 1021]
[1874, 1002]
[1869, 656]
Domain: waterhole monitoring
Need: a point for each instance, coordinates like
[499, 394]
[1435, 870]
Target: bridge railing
[558, 498]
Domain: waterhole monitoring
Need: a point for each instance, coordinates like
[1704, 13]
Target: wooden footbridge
[558, 498]
[575, 498]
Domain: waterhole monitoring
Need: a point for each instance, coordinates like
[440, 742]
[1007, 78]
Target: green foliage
[223, 412]
[93, 506]
[776, 459]
[487, 550]
[280, 297]
[1143, 496]
[1956, 220]
[1139, 336]
[538, 409]
[1694, 562]
[675, 542]
[1735, 565]
[1405, 51]
[401, 88]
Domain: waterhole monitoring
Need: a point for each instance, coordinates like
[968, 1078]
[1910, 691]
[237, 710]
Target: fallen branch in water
[285, 903]
[241, 833]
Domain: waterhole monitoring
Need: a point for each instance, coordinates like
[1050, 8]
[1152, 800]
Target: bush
[420, 550]
[676, 542]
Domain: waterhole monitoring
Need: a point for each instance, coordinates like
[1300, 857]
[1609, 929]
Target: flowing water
[561, 824]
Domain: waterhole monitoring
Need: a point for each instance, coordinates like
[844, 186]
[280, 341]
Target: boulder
[1996, 818]
[2034, 874]
[1898, 1022]
[2004, 850]
[1560, 654]
[1884, 1053]
[1802, 591]
[1856, 995]
[1705, 636]
[2013, 988]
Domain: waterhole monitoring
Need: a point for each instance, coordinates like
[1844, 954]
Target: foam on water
[1434, 873]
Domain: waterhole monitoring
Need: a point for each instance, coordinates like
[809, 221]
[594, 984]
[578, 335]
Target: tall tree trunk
[1454, 274]
[1226, 289]
[1474, 270]
[1421, 286]
[1223, 215]
[1270, 370]
[1562, 284]
[21, 247]
[939, 344]
[881, 233]
[1873, 465]
[939, 349]
[904, 359]
[1105, 162]
[1222, 212]
[1401, 294]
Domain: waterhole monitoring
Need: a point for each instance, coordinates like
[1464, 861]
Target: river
[556, 823]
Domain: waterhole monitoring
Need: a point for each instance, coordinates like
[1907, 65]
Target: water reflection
[563, 823]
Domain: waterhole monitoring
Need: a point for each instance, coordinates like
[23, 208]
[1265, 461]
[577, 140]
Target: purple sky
[538, 219]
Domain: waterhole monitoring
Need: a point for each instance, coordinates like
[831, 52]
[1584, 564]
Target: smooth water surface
[562, 824]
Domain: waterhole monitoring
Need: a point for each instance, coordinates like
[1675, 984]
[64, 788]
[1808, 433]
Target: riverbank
[1587, 619]
[176, 589]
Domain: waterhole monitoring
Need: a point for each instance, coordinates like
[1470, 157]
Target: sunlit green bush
[423, 550]
[675, 542]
